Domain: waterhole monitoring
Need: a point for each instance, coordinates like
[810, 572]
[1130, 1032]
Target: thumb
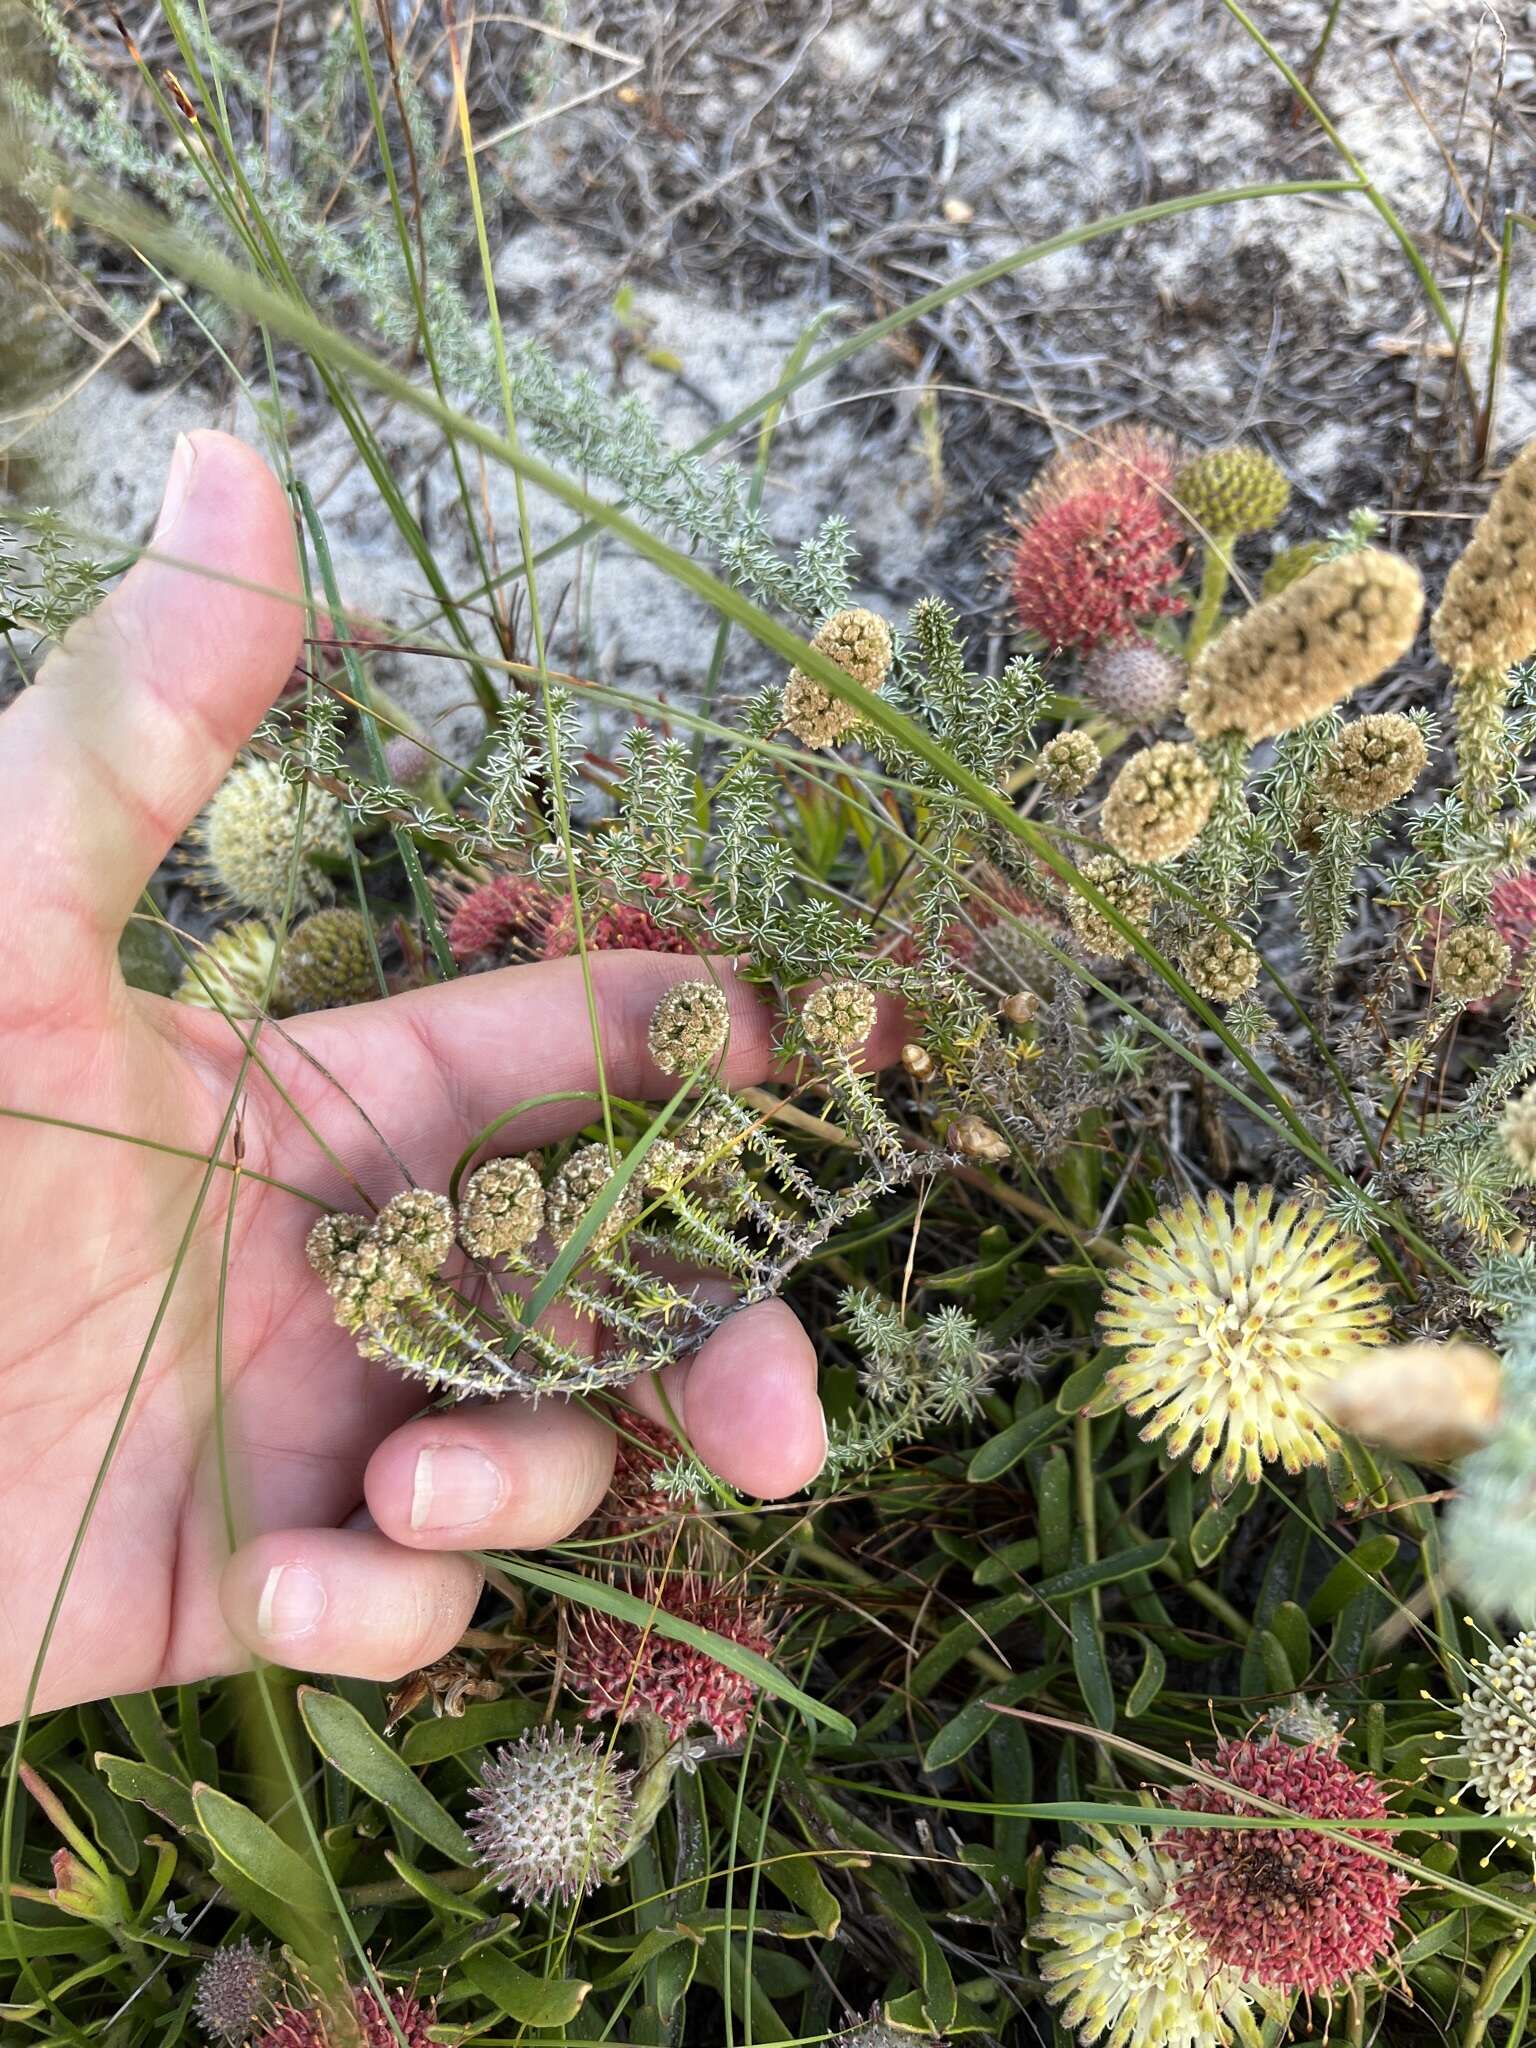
[132, 723]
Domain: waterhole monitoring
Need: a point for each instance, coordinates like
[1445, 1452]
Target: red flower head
[614, 928]
[1128, 457]
[506, 916]
[314, 2028]
[1290, 1907]
[623, 1668]
[1512, 908]
[1094, 564]
[634, 1500]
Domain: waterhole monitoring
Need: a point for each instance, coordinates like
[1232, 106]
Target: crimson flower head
[314, 2028]
[610, 928]
[1294, 1908]
[625, 1668]
[1094, 564]
[1512, 908]
[507, 915]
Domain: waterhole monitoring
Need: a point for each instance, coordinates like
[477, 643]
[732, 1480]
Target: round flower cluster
[401, 2018]
[250, 832]
[838, 1017]
[689, 1028]
[552, 1816]
[1472, 962]
[1137, 684]
[859, 642]
[1374, 761]
[1091, 567]
[502, 1209]
[1159, 803]
[574, 1188]
[1296, 1908]
[499, 918]
[1498, 1727]
[369, 1269]
[1218, 965]
[234, 1990]
[626, 1668]
[1068, 763]
[1124, 890]
[1296, 654]
[232, 971]
[328, 963]
[1487, 616]
[1231, 491]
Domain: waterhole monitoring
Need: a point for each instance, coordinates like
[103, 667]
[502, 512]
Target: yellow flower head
[1231, 1321]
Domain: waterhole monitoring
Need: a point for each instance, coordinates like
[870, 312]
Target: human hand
[105, 760]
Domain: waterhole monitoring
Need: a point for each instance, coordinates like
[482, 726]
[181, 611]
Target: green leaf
[1001, 1453]
[1149, 1681]
[962, 1731]
[1370, 1556]
[1213, 1531]
[531, 2001]
[345, 1739]
[1053, 1500]
[158, 1790]
[1091, 1664]
[147, 1732]
[624, 1606]
[259, 1853]
[1079, 1392]
[1289, 1623]
[487, 1721]
[435, 1894]
[1104, 1571]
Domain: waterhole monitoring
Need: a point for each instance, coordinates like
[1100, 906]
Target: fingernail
[178, 481]
[292, 1601]
[454, 1487]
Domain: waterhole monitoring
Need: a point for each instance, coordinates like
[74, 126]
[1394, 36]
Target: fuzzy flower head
[624, 1668]
[1289, 1907]
[1472, 962]
[1309, 1723]
[1127, 1969]
[1498, 1727]
[248, 835]
[1487, 617]
[1374, 761]
[504, 918]
[1091, 567]
[402, 2017]
[1068, 763]
[1121, 886]
[1230, 491]
[1218, 966]
[232, 971]
[575, 1187]
[1299, 653]
[1230, 1321]
[689, 1028]
[838, 1017]
[419, 1225]
[1139, 684]
[1159, 803]
[609, 928]
[552, 1816]
[502, 1210]
[876, 2032]
[1127, 455]
[234, 1991]
[856, 640]
[327, 963]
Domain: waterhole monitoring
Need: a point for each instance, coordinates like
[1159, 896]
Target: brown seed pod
[978, 1141]
[919, 1062]
[1435, 1401]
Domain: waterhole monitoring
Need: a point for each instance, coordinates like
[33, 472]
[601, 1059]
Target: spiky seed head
[231, 971]
[234, 1991]
[1231, 1320]
[1068, 763]
[1517, 1128]
[551, 1818]
[976, 1140]
[1487, 617]
[919, 1062]
[1297, 654]
[1309, 1723]
[1498, 1727]
[1093, 559]
[1472, 962]
[1373, 762]
[1125, 1965]
[575, 1187]
[839, 1017]
[689, 1028]
[328, 963]
[401, 2017]
[1230, 491]
[1139, 684]
[1219, 966]
[1433, 1401]
[331, 1237]
[876, 2032]
[1291, 564]
[628, 1668]
[502, 1210]
[419, 1225]
[249, 831]
[1128, 454]
[1295, 1908]
[858, 641]
[1159, 803]
[1122, 887]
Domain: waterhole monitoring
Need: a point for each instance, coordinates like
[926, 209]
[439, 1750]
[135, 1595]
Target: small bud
[1068, 763]
[978, 1141]
[1019, 1009]
[919, 1062]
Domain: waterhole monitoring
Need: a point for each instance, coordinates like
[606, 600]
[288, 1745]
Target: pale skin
[354, 1507]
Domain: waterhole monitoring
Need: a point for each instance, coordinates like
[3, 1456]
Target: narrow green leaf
[1370, 1556]
[1149, 1680]
[169, 1797]
[487, 1721]
[436, 1895]
[1079, 1392]
[531, 2001]
[1289, 1623]
[249, 1845]
[1001, 1453]
[345, 1739]
[1213, 1531]
[1091, 1664]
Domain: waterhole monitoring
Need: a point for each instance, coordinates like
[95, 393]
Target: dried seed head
[689, 1028]
[1218, 966]
[1233, 490]
[977, 1140]
[1159, 803]
[332, 1236]
[1517, 1127]
[1126, 891]
[1435, 1401]
[367, 1284]
[573, 1190]
[858, 641]
[231, 971]
[248, 834]
[502, 1210]
[1068, 763]
[1019, 1009]
[419, 1226]
[234, 1991]
[1374, 761]
[1472, 961]
[919, 1062]
[1297, 654]
[327, 963]
[839, 1017]
[1139, 684]
[1487, 617]
[552, 1816]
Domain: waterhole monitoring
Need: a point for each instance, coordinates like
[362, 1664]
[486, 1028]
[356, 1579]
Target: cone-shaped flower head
[1297, 654]
[506, 917]
[234, 1991]
[502, 1210]
[689, 1028]
[1230, 1320]
[1068, 763]
[1138, 684]
[402, 2017]
[1091, 568]
[858, 641]
[1159, 803]
[1290, 1907]
[839, 1017]
[249, 832]
[1498, 1727]
[327, 963]
[1127, 1969]
[1129, 893]
[1218, 966]
[552, 1816]
[1374, 761]
[575, 1187]
[1233, 490]
[231, 972]
[1487, 617]
[1472, 962]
